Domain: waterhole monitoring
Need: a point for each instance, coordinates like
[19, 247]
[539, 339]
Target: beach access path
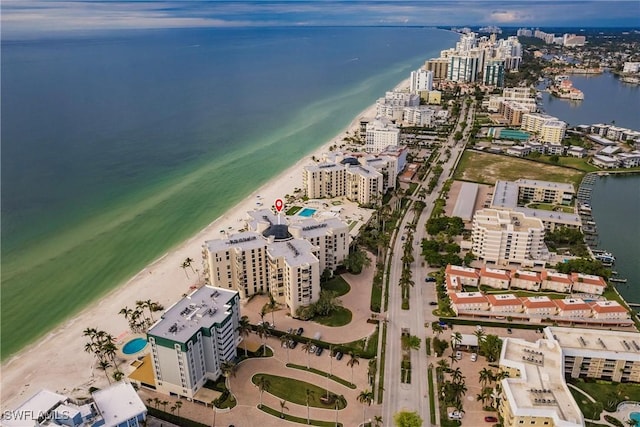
[57, 361]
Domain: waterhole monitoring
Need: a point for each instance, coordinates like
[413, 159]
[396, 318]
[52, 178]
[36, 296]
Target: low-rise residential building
[466, 276]
[117, 405]
[557, 282]
[629, 160]
[468, 301]
[494, 278]
[600, 354]
[519, 150]
[529, 280]
[608, 310]
[555, 149]
[588, 283]
[193, 338]
[504, 303]
[605, 162]
[539, 306]
[573, 308]
[576, 151]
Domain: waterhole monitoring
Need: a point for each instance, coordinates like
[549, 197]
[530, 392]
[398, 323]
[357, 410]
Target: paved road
[414, 396]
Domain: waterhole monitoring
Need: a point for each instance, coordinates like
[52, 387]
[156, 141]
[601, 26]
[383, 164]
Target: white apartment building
[602, 354]
[503, 237]
[238, 263]
[392, 106]
[420, 80]
[631, 67]
[324, 180]
[294, 273]
[419, 116]
[386, 165]
[463, 68]
[535, 392]
[380, 134]
[192, 339]
[364, 185]
[548, 128]
[330, 236]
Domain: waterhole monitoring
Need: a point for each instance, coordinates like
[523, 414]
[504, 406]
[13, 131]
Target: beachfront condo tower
[192, 339]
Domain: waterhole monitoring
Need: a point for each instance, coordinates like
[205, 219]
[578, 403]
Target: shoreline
[63, 366]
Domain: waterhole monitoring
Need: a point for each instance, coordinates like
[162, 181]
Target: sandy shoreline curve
[58, 361]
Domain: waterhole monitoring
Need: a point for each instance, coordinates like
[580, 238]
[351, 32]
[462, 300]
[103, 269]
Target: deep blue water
[119, 146]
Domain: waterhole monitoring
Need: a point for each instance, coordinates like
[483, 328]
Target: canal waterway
[615, 200]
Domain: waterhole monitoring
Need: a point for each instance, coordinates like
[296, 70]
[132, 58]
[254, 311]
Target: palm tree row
[102, 345]
[137, 318]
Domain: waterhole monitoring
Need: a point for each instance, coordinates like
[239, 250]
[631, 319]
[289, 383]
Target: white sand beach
[58, 361]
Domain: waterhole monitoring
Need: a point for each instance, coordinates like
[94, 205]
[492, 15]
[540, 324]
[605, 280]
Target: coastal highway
[414, 396]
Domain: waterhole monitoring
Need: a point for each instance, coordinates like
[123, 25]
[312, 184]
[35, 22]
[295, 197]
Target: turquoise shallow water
[117, 148]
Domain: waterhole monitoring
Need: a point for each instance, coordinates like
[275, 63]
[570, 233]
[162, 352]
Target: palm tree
[308, 396]
[228, 369]
[283, 406]
[263, 330]
[271, 306]
[456, 339]
[157, 402]
[164, 404]
[437, 328]
[444, 365]
[284, 340]
[184, 268]
[486, 376]
[456, 375]
[117, 376]
[178, 405]
[378, 420]
[306, 347]
[244, 330]
[149, 401]
[340, 400]
[353, 360]
[365, 397]
[172, 409]
[188, 262]
[104, 365]
[263, 385]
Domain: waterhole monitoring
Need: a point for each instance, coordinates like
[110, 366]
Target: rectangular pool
[307, 212]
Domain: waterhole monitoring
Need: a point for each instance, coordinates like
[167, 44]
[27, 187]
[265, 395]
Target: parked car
[430, 279]
[491, 419]
[458, 355]
[455, 415]
[339, 355]
[509, 331]
[433, 303]
[293, 344]
[313, 348]
[299, 331]
[319, 351]
[474, 357]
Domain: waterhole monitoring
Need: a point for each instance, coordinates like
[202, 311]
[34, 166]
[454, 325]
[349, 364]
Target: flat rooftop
[551, 216]
[203, 308]
[598, 343]
[118, 403]
[466, 201]
[246, 240]
[320, 167]
[505, 195]
[295, 251]
[40, 403]
[544, 184]
[499, 220]
[311, 227]
[540, 391]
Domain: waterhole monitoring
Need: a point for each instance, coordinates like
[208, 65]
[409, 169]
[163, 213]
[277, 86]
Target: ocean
[118, 146]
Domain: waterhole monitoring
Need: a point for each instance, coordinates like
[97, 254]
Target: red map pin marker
[279, 204]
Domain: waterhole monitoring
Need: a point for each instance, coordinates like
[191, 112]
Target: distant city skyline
[24, 17]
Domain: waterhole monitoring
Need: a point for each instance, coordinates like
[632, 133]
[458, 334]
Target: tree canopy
[407, 419]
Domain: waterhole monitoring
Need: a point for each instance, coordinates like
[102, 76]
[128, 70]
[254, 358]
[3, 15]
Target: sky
[24, 17]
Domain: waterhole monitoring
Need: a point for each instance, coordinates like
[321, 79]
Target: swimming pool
[307, 212]
[134, 346]
[635, 416]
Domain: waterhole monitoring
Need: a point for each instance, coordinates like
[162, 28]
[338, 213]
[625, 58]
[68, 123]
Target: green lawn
[339, 317]
[337, 285]
[488, 168]
[298, 420]
[587, 407]
[322, 373]
[608, 393]
[293, 210]
[295, 391]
